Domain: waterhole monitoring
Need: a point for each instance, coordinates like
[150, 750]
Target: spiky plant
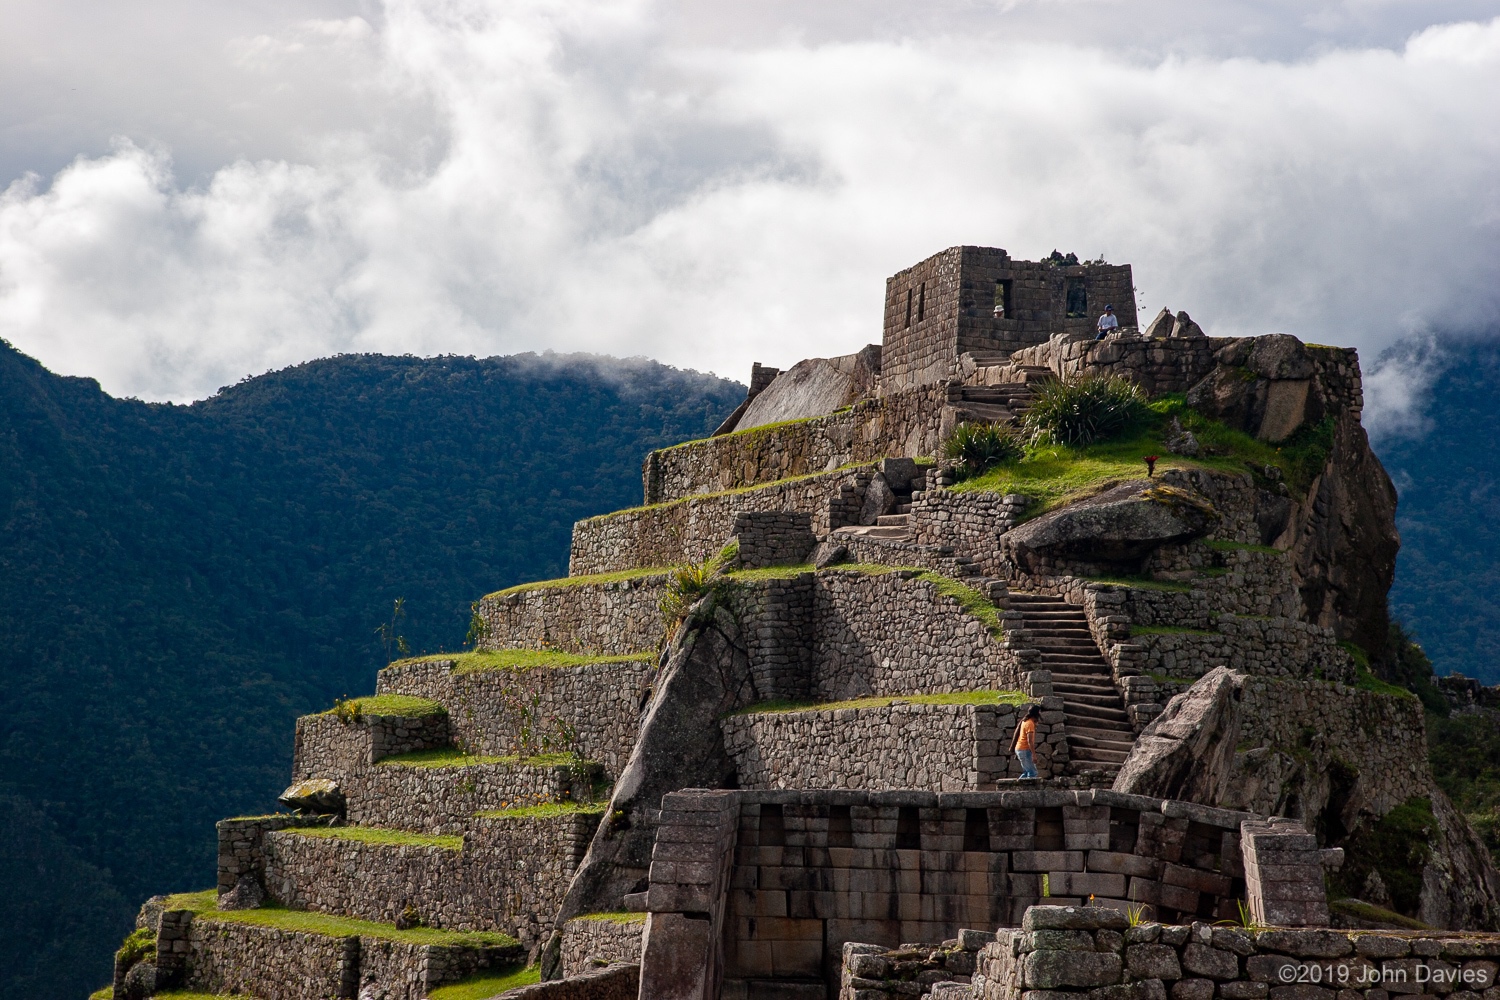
[1084, 410]
[975, 448]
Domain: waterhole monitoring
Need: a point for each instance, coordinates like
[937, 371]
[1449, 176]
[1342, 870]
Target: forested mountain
[1447, 590]
[178, 583]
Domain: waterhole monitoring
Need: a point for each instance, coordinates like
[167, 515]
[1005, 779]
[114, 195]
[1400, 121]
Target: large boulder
[318, 796]
[1188, 751]
[1120, 525]
[812, 388]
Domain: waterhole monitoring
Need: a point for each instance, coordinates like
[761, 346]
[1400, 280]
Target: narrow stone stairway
[1099, 732]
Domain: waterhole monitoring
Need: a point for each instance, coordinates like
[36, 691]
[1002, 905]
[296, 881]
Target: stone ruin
[786, 773]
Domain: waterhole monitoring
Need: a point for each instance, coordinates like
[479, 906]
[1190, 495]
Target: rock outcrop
[1119, 525]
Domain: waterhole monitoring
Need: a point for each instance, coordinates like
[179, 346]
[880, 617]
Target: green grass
[380, 836]
[1367, 911]
[547, 810]
[772, 572]
[1054, 475]
[1168, 630]
[583, 581]
[1143, 583]
[1364, 680]
[618, 917]
[108, 993]
[205, 904]
[488, 984]
[520, 660]
[747, 432]
[453, 757]
[956, 698]
[727, 493]
[390, 704]
[189, 995]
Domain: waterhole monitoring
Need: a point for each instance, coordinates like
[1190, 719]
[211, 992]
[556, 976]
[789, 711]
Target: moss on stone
[736, 491]
[380, 836]
[453, 757]
[1168, 630]
[1361, 910]
[1398, 847]
[400, 705]
[190, 995]
[107, 993]
[771, 573]
[520, 660]
[205, 905]
[1364, 680]
[956, 698]
[594, 579]
[547, 810]
[1142, 583]
[488, 984]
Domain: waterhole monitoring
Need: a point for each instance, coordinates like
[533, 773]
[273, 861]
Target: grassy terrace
[958, 698]
[206, 905]
[1168, 630]
[969, 599]
[453, 757]
[519, 660]
[488, 984]
[583, 581]
[729, 493]
[389, 704]
[379, 836]
[547, 810]
[1054, 475]
[621, 917]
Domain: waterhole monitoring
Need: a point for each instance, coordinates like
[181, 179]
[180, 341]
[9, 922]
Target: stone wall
[597, 703]
[242, 846]
[1089, 951]
[969, 523]
[946, 748]
[773, 538]
[696, 527]
[898, 424]
[815, 869]
[274, 964]
[326, 744]
[617, 982]
[600, 939]
[610, 619]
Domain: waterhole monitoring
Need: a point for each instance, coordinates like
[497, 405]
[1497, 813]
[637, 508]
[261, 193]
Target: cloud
[600, 178]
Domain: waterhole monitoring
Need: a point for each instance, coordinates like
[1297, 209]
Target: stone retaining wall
[939, 748]
[242, 846]
[1089, 952]
[598, 704]
[591, 941]
[815, 869]
[617, 982]
[968, 523]
[697, 527]
[273, 964]
[773, 538]
[608, 618]
[326, 744]
[900, 424]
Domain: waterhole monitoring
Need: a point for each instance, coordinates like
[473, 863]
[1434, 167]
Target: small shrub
[1085, 410]
[686, 586]
[975, 449]
[139, 947]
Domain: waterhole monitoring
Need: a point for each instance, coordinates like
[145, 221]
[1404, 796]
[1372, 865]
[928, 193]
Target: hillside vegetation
[178, 583]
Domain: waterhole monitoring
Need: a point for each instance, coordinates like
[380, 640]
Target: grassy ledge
[380, 836]
[620, 917]
[583, 581]
[391, 704]
[1364, 680]
[1136, 630]
[747, 432]
[771, 573]
[205, 904]
[488, 984]
[1361, 910]
[547, 810]
[453, 757]
[1142, 583]
[728, 493]
[520, 660]
[957, 698]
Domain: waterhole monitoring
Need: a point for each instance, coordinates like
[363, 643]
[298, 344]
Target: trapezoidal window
[1078, 299]
[1002, 299]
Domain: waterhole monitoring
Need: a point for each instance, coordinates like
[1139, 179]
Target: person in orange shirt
[1024, 741]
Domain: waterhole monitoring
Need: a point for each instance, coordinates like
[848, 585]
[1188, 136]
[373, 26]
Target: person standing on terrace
[1024, 742]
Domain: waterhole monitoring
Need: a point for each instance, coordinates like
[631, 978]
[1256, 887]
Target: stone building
[788, 773]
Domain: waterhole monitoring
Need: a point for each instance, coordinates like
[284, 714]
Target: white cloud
[598, 177]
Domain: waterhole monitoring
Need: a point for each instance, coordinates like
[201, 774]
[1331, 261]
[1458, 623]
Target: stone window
[1124, 829]
[909, 829]
[772, 826]
[1049, 829]
[976, 830]
[921, 301]
[1078, 299]
[908, 308]
[1002, 299]
[840, 827]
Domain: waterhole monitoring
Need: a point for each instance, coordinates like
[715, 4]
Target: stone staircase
[1002, 403]
[1099, 732]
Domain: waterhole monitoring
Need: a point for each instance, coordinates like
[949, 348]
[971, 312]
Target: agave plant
[1086, 409]
[975, 448]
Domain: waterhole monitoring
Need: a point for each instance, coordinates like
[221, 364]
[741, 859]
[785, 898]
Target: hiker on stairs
[1024, 742]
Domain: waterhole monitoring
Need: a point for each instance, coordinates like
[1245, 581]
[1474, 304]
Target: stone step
[1082, 661]
[991, 412]
[1059, 617]
[1064, 643]
[1095, 713]
[1115, 757]
[1074, 699]
[1099, 686]
[892, 520]
[1076, 738]
[903, 508]
[1104, 731]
